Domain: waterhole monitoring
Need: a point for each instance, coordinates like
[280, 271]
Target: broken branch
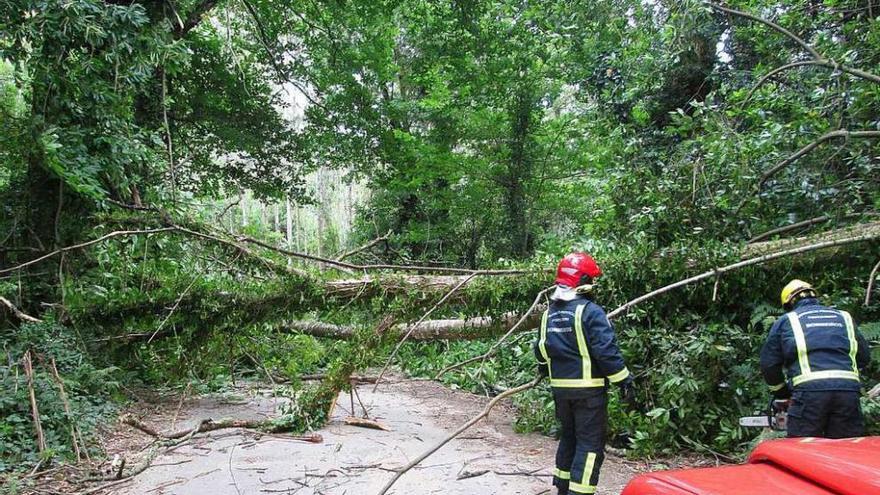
[413, 327]
[818, 58]
[364, 247]
[365, 423]
[236, 243]
[18, 313]
[806, 223]
[103, 238]
[207, 425]
[461, 429]
[806, 46]
[753, 261]
[787, 228]
[840, 133]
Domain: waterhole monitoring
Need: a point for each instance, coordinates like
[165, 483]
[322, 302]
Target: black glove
[628, 395]
[783, 393]
[543, 370]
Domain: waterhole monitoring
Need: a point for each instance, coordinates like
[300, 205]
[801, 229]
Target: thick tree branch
[752, 261]
[788, 228]
[806, 46]
[118, 233]
[19, 313]
[855, 72]
[818, 58]
[799, 225]
[840, 133]
[447, 329]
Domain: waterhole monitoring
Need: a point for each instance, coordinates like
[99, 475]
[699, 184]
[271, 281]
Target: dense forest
[200, 191]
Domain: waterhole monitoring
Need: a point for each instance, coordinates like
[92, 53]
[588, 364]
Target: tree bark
[448, 329]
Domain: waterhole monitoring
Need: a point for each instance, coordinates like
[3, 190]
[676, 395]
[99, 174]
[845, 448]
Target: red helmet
[574, 267]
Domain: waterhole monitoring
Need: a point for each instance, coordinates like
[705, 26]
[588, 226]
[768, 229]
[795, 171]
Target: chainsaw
[775, 419]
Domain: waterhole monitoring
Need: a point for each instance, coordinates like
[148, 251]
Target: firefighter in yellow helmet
[814, 355]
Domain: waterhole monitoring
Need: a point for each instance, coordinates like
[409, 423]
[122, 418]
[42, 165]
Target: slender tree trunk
[519, 171]
[299, 243]
[349, 215]
[320, 209]
[289, 230]
[244, 210]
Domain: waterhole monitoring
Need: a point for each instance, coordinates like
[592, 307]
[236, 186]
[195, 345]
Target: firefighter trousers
[825, 413]
[583, 418]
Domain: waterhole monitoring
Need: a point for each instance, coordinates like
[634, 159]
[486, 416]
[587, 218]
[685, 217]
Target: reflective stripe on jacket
[578, 345]
[819, 348]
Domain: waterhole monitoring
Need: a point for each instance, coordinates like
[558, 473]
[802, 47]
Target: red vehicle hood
[844, 467]
[780, 467]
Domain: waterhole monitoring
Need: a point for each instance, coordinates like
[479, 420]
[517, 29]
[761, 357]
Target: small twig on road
[231, 473]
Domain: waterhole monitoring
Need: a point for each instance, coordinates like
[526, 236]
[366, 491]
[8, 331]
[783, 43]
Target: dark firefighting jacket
[819, 348]
[578, 346]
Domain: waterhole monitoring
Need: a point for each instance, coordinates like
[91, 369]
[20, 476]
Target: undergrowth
[92, 392]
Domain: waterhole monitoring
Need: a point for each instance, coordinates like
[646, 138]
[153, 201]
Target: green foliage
[90, 390]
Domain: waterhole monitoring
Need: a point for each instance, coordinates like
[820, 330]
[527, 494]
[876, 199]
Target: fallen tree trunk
[480, 327]
[843, 233]
[450, 329]
[370, 286]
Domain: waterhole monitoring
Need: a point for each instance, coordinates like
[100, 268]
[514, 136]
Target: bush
[90, 393]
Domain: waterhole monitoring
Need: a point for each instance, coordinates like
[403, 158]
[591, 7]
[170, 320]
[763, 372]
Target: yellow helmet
[794, 288]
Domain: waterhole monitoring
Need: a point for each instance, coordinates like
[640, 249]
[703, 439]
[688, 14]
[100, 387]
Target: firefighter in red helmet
[578, 351]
